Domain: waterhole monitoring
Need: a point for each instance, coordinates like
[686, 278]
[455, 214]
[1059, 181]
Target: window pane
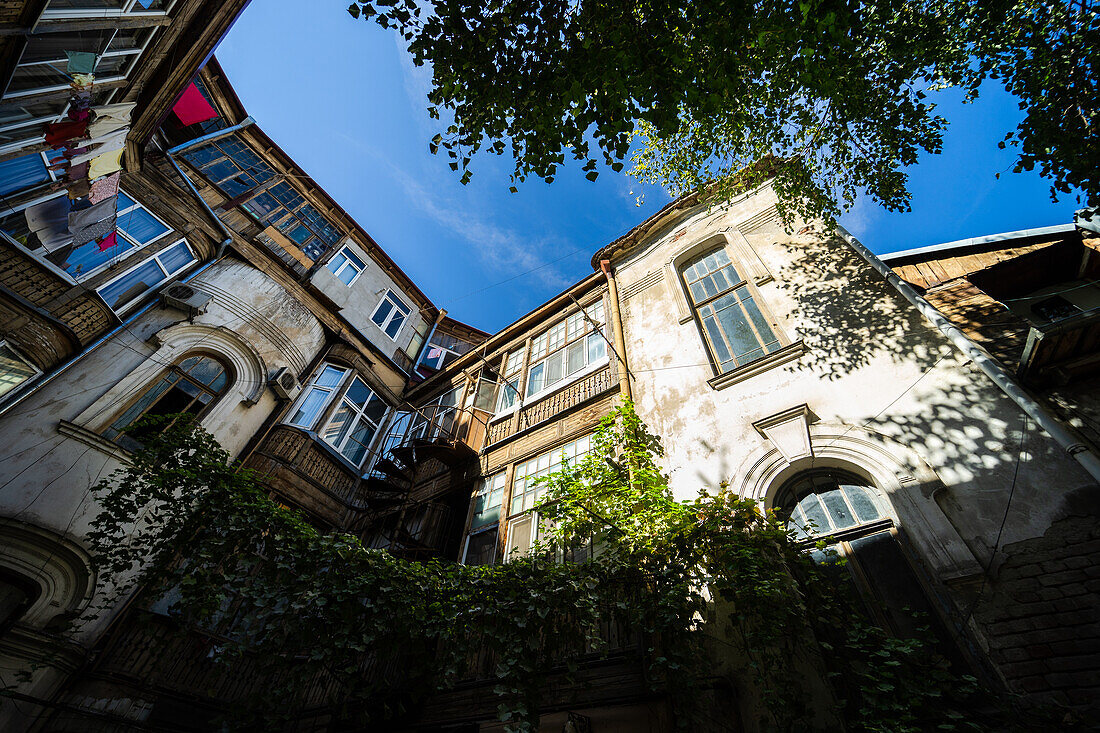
[358, 393]
[597, 347]
[88, 256]
[132, 285]
[509, 392]
[206, 371]
[347, 275]
[519, 536]
[721, 353]
[330, 377]
[482, 548]
[359, 265]
[141, 226]
[138, 407]
[13, 369]
[337, 262]
[762, 326]
[861, 501]
[741, 338]
[554, 368]
[356, 448]
[838, 509]
[176, 257]
[575, 357]
[816, 519]
[383, 312]
[375, 409]
[395, 324]
[339, 424]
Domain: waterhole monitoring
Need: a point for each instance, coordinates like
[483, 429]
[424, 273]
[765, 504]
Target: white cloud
[862, 217]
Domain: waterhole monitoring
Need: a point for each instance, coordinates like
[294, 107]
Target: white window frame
[347, 253]
[129, 305]
[336, 395]
[21, 357]
[396, 305]
[560, 352]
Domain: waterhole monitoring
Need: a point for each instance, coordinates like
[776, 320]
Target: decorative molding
[651, 279]
[772, 360]
[60, 567]
[789, 432]
[94, 440]
[759, 220]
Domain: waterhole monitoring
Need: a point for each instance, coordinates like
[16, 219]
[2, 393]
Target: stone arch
[61, 570]
[249, 371]
[903, 482]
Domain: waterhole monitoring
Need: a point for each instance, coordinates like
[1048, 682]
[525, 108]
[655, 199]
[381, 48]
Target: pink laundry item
[192, 107]
[111, 240]
[104, 188]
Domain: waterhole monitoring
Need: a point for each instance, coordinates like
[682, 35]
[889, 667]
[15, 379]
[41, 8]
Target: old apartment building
[227, 284]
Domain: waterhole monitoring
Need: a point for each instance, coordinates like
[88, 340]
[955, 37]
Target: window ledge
[772, 360]
[94, 440]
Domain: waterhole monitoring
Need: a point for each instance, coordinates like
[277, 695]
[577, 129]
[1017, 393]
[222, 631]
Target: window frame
[559, 348]
[155, 257]
[336, 396]
[348, 255]
[6, 343]
[694, 256]
[396, 305]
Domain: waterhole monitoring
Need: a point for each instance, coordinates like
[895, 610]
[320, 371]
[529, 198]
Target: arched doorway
[853, 518]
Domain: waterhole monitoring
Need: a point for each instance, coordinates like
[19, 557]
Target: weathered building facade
[779, 365]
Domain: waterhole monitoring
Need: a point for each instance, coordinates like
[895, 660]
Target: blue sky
[344, 100]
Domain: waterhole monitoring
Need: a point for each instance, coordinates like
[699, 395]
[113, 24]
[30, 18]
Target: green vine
[715, 589]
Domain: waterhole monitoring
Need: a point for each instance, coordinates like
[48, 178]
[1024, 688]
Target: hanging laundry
[95, 213]
[192, 107]
[80, 62]
[58, 133]
[95, 232]
[112, 142]
[105, 164]
[110, 117]
[79, 115]
[71, 151]
[78, 188]
[78, 171]
[82, 81]
[79, 204]
[104, 188]
[49, 221]
[111, 240]
[80, 101]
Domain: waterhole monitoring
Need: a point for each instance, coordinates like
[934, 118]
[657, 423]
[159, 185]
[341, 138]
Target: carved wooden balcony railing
[576, 393]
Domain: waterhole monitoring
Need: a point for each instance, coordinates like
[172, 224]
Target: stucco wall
[888, 396]
[359, 301]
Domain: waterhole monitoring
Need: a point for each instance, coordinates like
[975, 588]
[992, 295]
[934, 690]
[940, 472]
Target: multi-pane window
[525, 490]
[509, 388]
[831, 502]
[140, 279]
[189, 387]
[342, 409]
[137, 227]
[736, 330]
[15, 370]
[390, 314]
[346, 266]
[487, 501]
[437, 418]
[42, 66]
[566, 348]
[236, 169]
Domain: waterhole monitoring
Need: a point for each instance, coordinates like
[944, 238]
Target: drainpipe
[424, 346]
[95, 345]
[617, 328]
[1065, 437]
[216, 135]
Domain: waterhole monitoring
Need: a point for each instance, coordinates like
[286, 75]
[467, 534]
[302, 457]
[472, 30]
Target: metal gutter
[988, 239]
[1062, 434]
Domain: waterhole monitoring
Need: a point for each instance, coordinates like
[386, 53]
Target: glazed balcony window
[15, 369]
[342, 410]
[567, 349]
[127, 288]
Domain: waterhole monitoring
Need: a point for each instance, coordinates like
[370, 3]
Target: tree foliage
[710, 587]
[836, 92]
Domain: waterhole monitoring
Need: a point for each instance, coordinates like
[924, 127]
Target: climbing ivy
[714, 587]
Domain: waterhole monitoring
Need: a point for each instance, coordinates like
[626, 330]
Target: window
[831, 502]
[437, 418]
[137, 227]
[567, 348]
[356, 411]
[236, 169]
[346, 266]
[135, 282]
[390, 315]
[189, 387]
[509, 388]
[525, 493]
[487, 501]
[17, 594]
[15, 369]
[736, 330]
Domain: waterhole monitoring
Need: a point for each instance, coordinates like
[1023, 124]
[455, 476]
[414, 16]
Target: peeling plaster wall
[872, 368]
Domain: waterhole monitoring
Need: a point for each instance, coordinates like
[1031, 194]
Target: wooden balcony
[575, 394]
[299, 468]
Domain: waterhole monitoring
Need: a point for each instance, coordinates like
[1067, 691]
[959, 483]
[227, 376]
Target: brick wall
[1042, 615]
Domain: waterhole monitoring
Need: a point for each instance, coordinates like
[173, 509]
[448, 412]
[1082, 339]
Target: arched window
[17, 594]
[825, 503]
[189, 387]
[737, 331]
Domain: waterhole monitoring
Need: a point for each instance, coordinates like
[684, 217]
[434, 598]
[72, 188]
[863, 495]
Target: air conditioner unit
[185, 297]
[285, 384]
